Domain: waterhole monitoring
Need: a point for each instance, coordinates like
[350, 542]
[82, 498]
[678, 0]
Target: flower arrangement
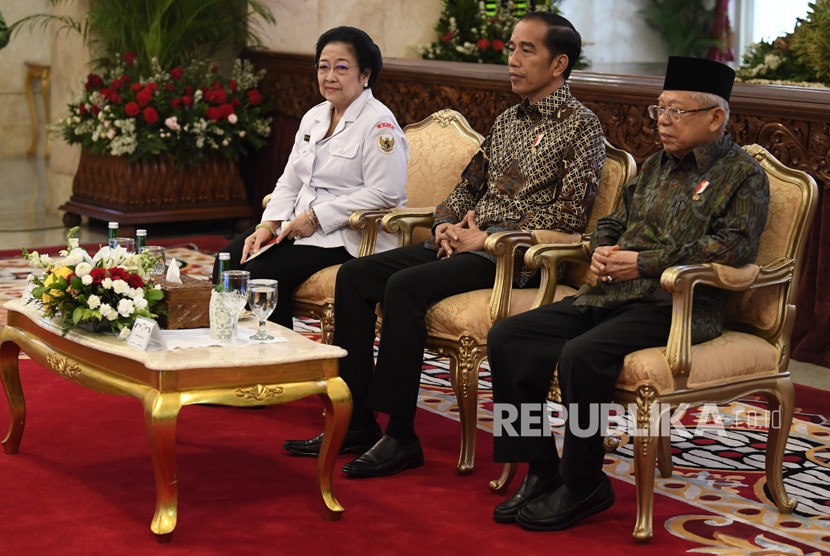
[108, 290]
[474, 31]
[801, 57]
[186, 113]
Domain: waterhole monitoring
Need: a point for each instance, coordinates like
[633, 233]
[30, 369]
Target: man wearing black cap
[700, 199]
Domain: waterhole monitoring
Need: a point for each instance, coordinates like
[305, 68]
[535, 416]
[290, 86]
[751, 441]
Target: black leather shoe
[562, 508]
[532, 488]
[356, 442]
[386, 457]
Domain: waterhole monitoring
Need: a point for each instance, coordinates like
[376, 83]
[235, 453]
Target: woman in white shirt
[348, 154]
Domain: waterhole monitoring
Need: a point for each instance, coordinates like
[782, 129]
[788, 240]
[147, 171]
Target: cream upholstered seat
[440, 147]
[751, 356]
[457, 326]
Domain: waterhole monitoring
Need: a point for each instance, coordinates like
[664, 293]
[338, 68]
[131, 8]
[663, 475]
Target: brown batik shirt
[538, 169]
[709, 207]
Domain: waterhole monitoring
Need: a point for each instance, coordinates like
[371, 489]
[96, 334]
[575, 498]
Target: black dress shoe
[386, 457]
[356, 442]
[532, 488]
[562, 508]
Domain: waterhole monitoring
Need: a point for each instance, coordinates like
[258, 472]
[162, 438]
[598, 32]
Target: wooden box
[186, 304]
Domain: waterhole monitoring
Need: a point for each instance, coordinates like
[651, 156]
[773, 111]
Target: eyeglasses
[339, 69]
[654, 111]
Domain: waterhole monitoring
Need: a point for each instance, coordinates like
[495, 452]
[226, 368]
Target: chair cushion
[731, 356]
[319, 287]
[468, 314]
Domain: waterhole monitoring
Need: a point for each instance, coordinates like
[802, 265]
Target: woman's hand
[302, 226]
[262, 234]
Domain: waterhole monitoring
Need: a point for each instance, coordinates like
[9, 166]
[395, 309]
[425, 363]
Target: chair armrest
[366, 221]
[503, 245]
[680, 282]
[547, 257]
[404, 221]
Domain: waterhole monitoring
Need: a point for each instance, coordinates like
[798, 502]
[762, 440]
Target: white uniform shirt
[361, 166]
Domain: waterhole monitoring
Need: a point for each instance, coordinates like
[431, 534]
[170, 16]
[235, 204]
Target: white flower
[140, 303]
[107, 311]
[87, 280]
[232, 118]
[76, 256]
[124, 333]
[30, 278]
[82, 269]
[120, 287]
[106, 283]
[94, 302]
[126, 307]
[172, 123]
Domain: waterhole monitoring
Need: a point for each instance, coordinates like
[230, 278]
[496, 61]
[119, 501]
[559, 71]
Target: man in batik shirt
[702, 199]
[539, 168]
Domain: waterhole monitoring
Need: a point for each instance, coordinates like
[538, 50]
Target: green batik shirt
[538, 169]
[667, 223]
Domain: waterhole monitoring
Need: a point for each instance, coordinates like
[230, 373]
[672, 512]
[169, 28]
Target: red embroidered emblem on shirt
[385, 124]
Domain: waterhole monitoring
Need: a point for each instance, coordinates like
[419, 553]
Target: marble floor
[24, 222]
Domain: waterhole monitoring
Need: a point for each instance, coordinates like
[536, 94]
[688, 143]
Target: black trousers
[289, 264]
[589, 348]
[407, 281]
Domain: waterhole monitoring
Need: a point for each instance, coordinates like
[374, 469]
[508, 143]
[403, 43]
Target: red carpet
[82, 484]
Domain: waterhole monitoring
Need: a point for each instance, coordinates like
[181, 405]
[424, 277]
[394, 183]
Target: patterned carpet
[720, 475]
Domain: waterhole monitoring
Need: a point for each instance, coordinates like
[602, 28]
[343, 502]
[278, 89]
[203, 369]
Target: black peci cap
[699, 74]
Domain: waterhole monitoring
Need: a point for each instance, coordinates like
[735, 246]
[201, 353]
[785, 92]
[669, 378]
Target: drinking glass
[262, 300]
[126, 243]
[234, 296]
[158, 254]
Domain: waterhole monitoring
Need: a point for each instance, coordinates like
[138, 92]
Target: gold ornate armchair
[751, 356]
[458, 325]
[440, 146]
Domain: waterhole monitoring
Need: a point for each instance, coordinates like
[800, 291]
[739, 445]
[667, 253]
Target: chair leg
[464, 364]
[327, 324]
[645, 455]
[781, 405]
[499, 486]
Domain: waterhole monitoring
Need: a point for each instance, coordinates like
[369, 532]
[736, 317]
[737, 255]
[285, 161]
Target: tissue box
[187, 304]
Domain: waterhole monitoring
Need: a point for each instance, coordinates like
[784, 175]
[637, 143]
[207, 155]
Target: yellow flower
[53, 277]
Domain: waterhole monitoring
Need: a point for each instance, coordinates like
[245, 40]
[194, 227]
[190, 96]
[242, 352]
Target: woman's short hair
[562, 37]
[367, 52]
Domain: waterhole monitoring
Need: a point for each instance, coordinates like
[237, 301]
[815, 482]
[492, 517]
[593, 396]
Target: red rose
[115, 98]
[135, 281]
[144, 96]
[218, 96]
[132, 109]
[232, 85]
[150, 115]
[214, 114]
[130, 57]
[176, 73]
[226, 110]
[117, 273]
[135, 87]
[188, 90]
[448, 37]
[94, 81]
[168, 87]
[187, 100]
[254, 97]
[153, 86]
[483, 44]
[235, 103]
[82, 110]
[95, 110]
[498, 45]
[98, 275]
[176, 103]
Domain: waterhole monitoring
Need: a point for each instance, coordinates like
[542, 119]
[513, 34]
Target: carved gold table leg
[338, 405]
[160, 413]
[9, 353]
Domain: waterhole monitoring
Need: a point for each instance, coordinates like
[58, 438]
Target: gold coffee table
[164, 381]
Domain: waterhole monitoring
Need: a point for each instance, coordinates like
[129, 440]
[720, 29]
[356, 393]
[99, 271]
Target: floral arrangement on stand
[186, 113]
[106, 291]
[474, 31]
[801, 57]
